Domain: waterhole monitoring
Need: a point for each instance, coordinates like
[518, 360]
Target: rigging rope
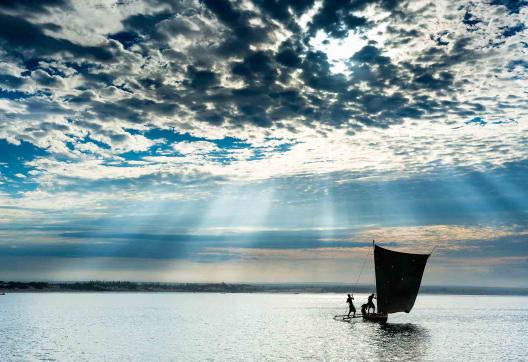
[362, 267]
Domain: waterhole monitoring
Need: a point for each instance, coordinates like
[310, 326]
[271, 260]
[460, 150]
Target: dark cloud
[168, 246]
[40, 6]
[256, 67]
[288, 55]
[375, 103]
[517, 63]
[282, 9]
[442, 80]
[8, 81]
[241, 34]
[126, 38]
[370, 55]
[512, 30]
[514, 6]
[145, 24]
[21, 35]
[440, 38]
[471, 21]
[336, 17]
[46, 80]
[317, 74]
[201, 79]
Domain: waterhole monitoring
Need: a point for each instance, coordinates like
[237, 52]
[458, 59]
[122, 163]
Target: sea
[256, 327]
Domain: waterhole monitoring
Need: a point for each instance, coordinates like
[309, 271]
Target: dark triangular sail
[398, 278]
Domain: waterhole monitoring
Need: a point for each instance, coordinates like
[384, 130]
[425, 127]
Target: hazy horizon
[359, 288]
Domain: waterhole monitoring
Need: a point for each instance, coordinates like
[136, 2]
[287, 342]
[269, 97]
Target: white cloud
[195, 148]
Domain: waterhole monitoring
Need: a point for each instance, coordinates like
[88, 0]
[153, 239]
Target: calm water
[186, 326]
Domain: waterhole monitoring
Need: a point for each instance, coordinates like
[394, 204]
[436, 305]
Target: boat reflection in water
[406, 342]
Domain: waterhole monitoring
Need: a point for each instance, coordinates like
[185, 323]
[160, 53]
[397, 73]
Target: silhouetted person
[370, 304]
[351, 308]
[364, 309]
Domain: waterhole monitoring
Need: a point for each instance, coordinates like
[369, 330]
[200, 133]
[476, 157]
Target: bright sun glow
[338, 51]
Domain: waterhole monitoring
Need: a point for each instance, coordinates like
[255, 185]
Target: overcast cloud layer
[204, 140]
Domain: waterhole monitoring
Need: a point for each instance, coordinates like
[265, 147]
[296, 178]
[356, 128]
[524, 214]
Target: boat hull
[376, 317]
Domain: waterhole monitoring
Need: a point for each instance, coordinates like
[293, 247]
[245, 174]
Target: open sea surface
[242, 327]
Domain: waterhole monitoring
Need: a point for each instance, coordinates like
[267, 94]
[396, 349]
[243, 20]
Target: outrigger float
[398, 279]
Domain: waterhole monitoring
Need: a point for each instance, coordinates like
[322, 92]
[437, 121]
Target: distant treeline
[124, 286]
[23, 285]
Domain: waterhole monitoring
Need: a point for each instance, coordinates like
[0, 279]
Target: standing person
[351, 308]
[370, 303]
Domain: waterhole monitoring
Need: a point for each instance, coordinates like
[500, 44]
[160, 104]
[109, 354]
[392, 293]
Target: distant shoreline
[301, 288]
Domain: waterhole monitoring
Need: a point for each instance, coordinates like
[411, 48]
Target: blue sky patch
[13, 171]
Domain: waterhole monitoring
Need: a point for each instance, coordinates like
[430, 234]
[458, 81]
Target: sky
[263, 141]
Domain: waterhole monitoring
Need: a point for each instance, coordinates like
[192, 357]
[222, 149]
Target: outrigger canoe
[398, 279]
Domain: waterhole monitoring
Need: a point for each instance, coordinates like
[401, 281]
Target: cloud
[195, 148]
[446, 238]
[19, 34]
[277, 80]
[512, 6]
[33, 5]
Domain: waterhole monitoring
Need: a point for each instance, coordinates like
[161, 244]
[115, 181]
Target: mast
[375, 274]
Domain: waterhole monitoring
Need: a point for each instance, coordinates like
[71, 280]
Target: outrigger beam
[344, 316]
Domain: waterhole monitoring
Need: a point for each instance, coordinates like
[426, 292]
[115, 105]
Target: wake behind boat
[398, 279]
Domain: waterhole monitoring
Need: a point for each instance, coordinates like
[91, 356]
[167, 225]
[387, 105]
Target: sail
[398, 278]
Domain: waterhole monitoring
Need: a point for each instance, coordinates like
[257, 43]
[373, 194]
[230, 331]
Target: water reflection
[400, 341]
